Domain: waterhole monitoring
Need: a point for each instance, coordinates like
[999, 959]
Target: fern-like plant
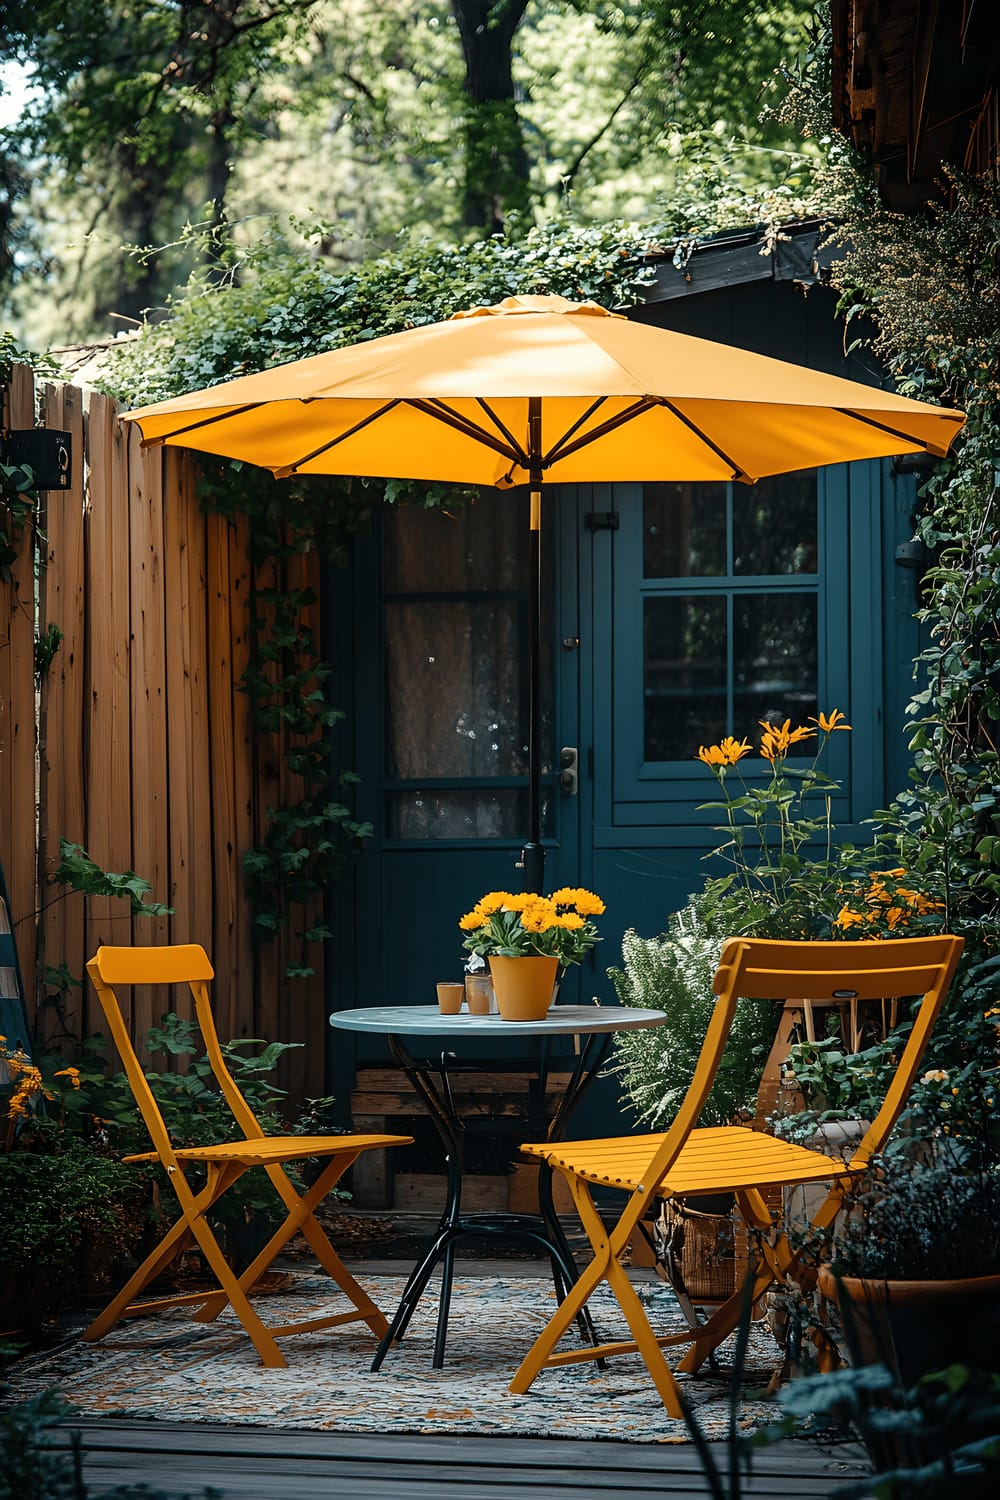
[673, 973]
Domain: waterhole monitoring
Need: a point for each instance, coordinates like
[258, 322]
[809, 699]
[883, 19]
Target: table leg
[452, 1227]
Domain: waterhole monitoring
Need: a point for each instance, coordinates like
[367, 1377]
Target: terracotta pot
[918, 1325]
[523, 986]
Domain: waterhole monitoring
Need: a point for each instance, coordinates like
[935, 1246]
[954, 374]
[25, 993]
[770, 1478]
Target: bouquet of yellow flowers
[530, 926]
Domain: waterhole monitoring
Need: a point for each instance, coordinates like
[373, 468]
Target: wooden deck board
[252, 1463]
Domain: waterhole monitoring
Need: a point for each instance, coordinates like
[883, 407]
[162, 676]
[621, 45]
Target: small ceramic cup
[479, 994]
[450, 997]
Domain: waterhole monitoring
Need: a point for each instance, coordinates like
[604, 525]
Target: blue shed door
[441, 712]
[674, 614]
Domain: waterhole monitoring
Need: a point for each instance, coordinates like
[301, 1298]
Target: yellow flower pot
[523, 986]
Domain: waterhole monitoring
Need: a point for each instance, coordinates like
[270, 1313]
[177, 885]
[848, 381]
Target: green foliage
[306, 840]
[63, 1206]
[280, 306]
[931, 1442]
[35, 1466]
[78, 871]
[64, 1174]
[444, 117]
[911, 1221]
[929, 283]
[674, 973]
[46, 647]
[837, 1084]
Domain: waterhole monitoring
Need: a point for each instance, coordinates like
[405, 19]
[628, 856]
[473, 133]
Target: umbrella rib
[928, 447]
[441, 412]
[286, 469]
[515, 446]
[557, 448]
[223, 416]
[738, 472]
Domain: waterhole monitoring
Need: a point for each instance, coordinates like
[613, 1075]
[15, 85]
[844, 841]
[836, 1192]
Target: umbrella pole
[533, 854]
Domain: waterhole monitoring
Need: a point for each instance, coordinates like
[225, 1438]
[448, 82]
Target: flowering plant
[886, 905]
[779, 831]
[530, 926]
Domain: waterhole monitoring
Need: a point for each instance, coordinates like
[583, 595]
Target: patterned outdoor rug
[169, 1368]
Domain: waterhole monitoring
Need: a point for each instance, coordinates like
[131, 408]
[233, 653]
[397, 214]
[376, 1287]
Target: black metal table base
[543, 1229]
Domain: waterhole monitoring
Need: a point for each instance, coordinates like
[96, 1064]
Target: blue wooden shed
[675, 614]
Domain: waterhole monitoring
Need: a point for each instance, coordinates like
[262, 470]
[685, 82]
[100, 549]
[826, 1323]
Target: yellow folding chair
[684, 1161]
[223, 1166]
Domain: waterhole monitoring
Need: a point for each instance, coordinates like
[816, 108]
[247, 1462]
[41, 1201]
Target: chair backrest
[185, 963]
[768, 969]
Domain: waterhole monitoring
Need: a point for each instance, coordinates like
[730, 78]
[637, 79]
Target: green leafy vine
[305, 841]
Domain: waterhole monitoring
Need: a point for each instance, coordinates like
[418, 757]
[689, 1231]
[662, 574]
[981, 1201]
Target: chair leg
[260, 1337]
[300, 1216]
[157, 1260]
[537, 1356]
[646, 1340]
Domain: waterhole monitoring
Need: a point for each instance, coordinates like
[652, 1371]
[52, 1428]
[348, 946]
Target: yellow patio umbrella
[541, 388]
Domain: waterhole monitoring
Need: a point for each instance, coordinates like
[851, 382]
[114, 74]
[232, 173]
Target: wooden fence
[138, 743]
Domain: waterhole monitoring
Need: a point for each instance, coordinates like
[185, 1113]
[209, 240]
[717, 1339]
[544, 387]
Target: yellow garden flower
[528, 924]
[712, 755]
[777, 742]
[579, 900]
[829, 722]
[727, 753]
[846, 918]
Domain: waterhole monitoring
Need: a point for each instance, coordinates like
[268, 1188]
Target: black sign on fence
[43, 450]
[14, 1025]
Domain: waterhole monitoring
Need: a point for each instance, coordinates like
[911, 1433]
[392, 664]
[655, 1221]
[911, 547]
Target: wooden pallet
[383, 1100]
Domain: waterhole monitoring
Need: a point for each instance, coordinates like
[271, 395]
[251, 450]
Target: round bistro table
[418, 1038]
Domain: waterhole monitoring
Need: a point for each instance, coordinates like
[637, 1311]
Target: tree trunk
[496, 163]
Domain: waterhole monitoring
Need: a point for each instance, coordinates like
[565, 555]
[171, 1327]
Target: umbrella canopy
[541, 388]
[611, 400]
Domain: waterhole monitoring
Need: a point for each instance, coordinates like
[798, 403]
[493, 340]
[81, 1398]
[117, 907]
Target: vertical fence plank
[108, 731]
[18, 788]
[148, 758]
[227, 874]
[302, 999]
[242, 979]
[187, 708]
[61, 766]
[147, 694]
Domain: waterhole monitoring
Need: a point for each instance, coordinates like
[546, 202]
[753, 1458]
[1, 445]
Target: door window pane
[684, 530]
[775, 661]
[463, 813]
[455, 620]
[471, 545]
[684, 674]
[775, 525]
[455, 688]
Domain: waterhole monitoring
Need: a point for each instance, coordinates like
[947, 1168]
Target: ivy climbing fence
[136, 743]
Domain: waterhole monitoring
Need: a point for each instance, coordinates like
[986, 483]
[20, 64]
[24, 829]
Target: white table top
[561, 1020]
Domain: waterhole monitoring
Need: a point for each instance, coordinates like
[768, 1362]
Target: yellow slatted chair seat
[686, 1161]
[222, 1164]
[722, 1159]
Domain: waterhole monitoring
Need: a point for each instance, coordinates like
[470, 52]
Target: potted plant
[527, 940]
[916, 1266]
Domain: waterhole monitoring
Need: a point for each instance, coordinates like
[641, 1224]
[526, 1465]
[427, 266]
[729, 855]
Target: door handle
[569, 772]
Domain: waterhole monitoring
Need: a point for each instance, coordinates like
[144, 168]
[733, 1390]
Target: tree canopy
[457, 118]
